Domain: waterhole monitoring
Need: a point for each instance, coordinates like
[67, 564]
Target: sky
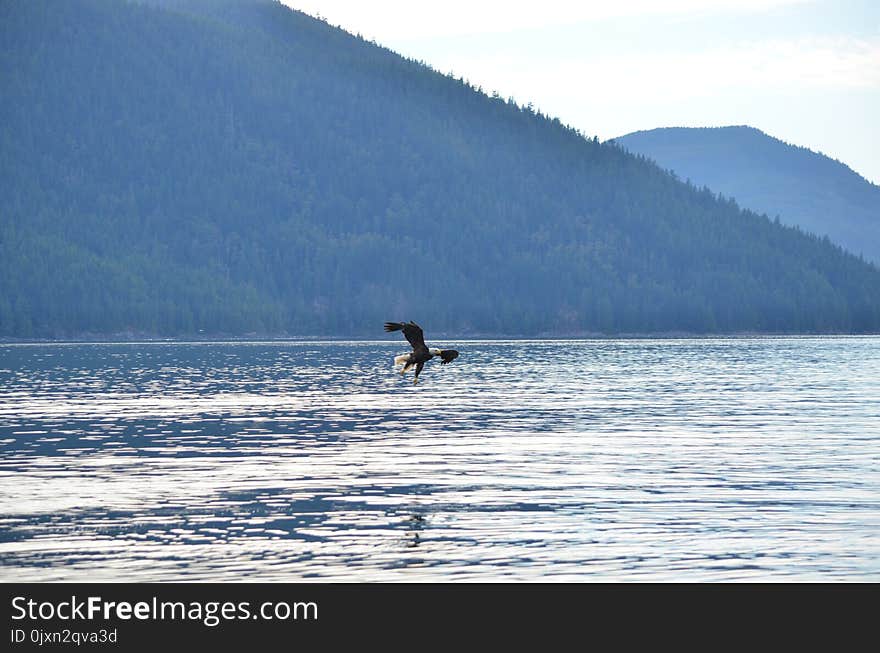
[804, 71]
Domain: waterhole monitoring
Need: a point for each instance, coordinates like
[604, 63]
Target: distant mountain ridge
[767, 175]
[235, 167]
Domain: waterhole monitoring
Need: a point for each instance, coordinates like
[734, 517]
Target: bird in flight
[420, 353]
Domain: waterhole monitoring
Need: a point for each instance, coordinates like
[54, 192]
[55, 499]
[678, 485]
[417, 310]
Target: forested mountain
[234, 167]
[766, 175]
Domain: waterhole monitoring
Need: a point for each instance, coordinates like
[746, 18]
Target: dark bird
[420, 353]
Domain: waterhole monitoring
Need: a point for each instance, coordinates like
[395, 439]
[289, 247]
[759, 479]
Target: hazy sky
[805, 71]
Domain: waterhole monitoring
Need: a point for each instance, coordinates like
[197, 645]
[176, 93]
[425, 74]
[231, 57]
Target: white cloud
[612, 67]
[410, 19]
[832, 63]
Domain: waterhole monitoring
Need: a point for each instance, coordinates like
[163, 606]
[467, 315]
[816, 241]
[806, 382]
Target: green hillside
[766, 175]
[237, 167]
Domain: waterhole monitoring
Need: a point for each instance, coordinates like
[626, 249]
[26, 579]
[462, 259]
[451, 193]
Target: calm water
[669, 460]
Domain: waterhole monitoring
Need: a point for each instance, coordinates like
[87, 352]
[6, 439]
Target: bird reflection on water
[416, 525]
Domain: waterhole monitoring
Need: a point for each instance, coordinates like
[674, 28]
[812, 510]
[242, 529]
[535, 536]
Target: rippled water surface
[669, 460]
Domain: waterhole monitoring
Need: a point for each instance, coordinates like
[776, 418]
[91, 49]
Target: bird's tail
[401, 360]
[393, 326]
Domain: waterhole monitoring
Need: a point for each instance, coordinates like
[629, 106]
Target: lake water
[605, 460]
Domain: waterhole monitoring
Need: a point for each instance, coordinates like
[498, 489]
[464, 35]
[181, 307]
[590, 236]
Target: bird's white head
[435, 352]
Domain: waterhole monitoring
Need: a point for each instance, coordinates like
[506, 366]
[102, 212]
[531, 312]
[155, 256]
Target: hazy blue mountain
[232, 167]
[766, 175]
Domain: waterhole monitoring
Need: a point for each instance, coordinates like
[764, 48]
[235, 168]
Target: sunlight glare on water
[648, 460]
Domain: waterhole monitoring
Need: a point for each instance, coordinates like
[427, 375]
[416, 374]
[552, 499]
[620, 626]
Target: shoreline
[255, 338]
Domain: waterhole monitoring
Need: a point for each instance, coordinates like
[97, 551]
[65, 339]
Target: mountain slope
[235, 166]
[769, 176]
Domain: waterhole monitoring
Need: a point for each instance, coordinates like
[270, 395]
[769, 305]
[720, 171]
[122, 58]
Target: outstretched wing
[411, 331]
[447, 356]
